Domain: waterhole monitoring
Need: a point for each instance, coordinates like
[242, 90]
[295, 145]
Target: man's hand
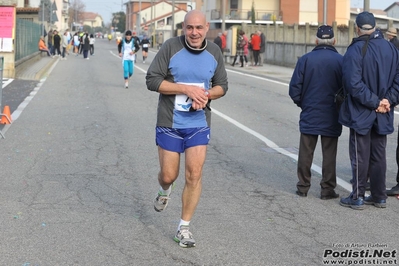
[384, 106]
[197, 94]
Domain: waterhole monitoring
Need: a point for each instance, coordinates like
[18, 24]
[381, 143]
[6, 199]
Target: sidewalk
[279, 73]
[35, 69]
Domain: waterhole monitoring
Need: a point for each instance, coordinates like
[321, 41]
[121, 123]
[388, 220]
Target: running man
[127, 50]
[145, 43]
[184, 112]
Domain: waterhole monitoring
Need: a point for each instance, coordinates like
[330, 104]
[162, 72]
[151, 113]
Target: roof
[90, 16]
[392, 5]
[379, 12]
[25, 10]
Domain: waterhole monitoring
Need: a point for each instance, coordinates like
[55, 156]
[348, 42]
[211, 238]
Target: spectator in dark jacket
[392, 37]
[218, 41]
[57, 43]
[316, 79]
[86, 45]
[371, 79]
[262, 47]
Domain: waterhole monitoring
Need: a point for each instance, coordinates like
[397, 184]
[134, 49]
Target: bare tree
[76, 10]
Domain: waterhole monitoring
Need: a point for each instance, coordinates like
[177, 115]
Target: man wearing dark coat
[392, 37]
[262, 47]
[218, 41]
[316, 79]
[371, 80]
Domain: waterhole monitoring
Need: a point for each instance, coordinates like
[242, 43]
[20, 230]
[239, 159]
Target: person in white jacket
[64, 43]
[92, 40]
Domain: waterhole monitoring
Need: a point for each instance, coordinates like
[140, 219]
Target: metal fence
[27, 38]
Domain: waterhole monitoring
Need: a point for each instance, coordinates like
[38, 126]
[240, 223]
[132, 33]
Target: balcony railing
[246, 14]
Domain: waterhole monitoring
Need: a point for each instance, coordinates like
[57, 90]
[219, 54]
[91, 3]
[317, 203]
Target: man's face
[128, 37]
[389, 36]
[195, 28]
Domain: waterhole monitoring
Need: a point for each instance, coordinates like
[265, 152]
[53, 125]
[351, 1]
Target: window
[169, 21]
[233, 4]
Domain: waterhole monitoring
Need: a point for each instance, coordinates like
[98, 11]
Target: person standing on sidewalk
[86, 45]
[262, 47]
[65, 43]
[392, 37]
[57, 43]
[242, 44]
[371, 80]
[255, 41]
[316, 79]
[183, 119]
[218, 41]
[224, 41]
[127, 49]
[92, 41]
[50, 41]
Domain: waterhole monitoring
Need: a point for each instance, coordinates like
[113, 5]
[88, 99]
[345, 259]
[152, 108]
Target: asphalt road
[79, 174]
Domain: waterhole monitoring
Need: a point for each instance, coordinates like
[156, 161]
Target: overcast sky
[104, 7]
[375, 4]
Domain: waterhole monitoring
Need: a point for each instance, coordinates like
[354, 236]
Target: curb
[44, 71]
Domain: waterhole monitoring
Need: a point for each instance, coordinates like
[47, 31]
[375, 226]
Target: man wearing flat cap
[371, 80]
[316, 79]
[391, 36]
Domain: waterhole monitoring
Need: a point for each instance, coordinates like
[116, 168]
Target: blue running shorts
[180, 139]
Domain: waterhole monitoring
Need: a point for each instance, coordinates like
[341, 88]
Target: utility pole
[173, 18]
[366, 5]
[325, 12]
[139, 32]
[223, 15]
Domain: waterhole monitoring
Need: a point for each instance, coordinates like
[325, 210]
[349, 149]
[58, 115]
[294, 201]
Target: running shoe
[184, 237]
[161, 201]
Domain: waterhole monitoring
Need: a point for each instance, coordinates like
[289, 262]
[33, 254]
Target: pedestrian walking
[370, 70]
[127, 49]
[183, 119]
[316, 79]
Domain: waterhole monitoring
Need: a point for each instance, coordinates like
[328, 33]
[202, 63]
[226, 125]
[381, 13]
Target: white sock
[165, 192]
[182, 222]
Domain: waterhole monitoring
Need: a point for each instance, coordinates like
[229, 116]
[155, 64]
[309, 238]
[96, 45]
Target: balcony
[245, 14]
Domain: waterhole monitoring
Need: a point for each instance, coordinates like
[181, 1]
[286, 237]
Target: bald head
[194, 14]
[195, 28]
